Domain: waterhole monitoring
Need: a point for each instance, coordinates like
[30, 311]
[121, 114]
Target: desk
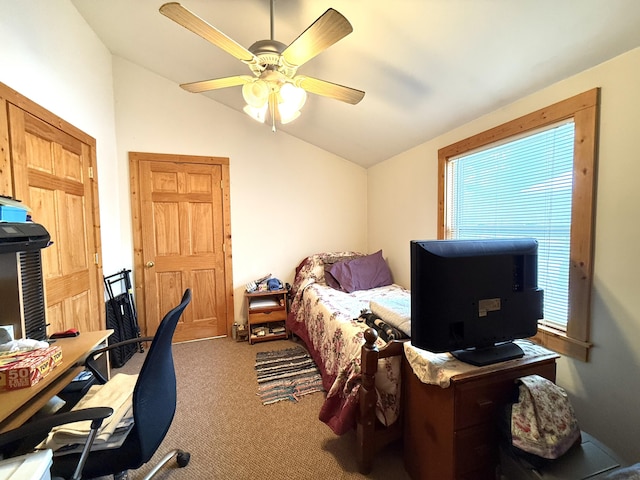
[20, 405]
[452, 433]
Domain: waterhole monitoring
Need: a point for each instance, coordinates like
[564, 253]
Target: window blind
[522, 188]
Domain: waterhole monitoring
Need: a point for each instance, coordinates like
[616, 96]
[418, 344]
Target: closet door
[182, 239]
[53, 172]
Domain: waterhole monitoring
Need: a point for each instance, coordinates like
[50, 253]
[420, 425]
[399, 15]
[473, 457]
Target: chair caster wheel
[183, 459]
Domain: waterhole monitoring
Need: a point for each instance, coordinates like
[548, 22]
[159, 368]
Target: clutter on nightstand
[267, 312]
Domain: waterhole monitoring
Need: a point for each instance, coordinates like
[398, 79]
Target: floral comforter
[326, 320]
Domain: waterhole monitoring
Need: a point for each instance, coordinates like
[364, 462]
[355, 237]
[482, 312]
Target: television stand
[453, 433]
[482, 356]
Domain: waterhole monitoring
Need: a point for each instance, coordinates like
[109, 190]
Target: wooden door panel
[170, 290]
[41, 129]
[56, 317]
[165, 235]
[79, 308]
[74, 234]
[206, 314]
[51, 174]
[183, 231]
[71, 166]
[59, 288]
[39, 199]
[39, 151]
[177, 193]
[202, 241]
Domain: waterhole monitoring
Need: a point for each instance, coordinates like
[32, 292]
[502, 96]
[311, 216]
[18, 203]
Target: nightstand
[453, 432]
[266, 315]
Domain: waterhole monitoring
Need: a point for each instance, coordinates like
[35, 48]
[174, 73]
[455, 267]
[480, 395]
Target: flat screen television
[474, 297]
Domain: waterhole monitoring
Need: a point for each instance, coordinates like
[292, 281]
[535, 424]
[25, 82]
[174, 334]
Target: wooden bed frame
[371, 434]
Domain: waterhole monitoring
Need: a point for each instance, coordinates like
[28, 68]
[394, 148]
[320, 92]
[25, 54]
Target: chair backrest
[154, 396]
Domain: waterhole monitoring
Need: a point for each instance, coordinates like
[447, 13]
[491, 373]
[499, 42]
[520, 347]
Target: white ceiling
[426, 66]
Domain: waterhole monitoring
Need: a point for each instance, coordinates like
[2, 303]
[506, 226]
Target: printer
[22, 237]
[23, 313]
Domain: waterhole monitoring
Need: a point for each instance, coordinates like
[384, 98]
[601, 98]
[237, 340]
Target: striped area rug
[286, 375]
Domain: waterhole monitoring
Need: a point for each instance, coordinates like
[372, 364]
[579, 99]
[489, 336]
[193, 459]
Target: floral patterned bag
[543, 422]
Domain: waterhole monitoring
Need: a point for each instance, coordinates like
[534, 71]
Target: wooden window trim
[584, 110]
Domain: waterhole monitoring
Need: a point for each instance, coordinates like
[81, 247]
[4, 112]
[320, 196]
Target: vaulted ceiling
[427, 66]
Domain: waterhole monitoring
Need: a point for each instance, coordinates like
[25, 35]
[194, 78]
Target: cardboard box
[25, 369]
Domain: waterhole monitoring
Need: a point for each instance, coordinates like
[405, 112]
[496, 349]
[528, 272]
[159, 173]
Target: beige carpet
[221, 421]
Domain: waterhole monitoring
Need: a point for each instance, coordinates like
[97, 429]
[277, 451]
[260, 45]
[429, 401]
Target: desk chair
[154, 405]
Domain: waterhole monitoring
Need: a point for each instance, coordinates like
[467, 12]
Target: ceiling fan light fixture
[288, 117]
[287, 98]
[290, 100]
[292, 96]
[258, 114]
[256, 93]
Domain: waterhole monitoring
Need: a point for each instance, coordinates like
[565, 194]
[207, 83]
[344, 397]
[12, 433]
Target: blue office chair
[154, 405]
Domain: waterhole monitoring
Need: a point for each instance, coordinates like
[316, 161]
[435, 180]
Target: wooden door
[182, 239]
[52, 170]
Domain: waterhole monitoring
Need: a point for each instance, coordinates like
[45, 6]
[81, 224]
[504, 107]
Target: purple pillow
[361, 273]
[329, 278]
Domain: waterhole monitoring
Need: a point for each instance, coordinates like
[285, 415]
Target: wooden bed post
[371, 435]
[368, 397]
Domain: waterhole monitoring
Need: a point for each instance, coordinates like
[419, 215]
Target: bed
[331, 312]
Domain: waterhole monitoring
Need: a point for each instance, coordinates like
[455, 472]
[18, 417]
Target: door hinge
[96, 258]
[224, 248]
[90, 172]
[221, 185]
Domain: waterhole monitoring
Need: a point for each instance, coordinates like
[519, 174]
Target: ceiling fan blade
[328, 89]
[190, 21]
[205, 85]
[330, 27]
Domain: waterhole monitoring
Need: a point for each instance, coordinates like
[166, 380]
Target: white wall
[289, 199]
[49, 54]
[403, 206]
[284, 192]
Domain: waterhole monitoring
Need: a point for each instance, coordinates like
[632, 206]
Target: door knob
[150, 264]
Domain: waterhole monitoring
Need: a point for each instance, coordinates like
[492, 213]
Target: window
[533, 176]
[520, 188]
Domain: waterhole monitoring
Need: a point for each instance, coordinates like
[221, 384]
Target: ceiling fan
[274, 88]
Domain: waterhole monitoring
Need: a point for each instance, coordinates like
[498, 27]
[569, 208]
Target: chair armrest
[44, 425]
[89, 362]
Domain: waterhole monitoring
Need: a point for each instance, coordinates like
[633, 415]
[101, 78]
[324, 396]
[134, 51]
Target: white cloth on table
[22, 345]
[438, 368]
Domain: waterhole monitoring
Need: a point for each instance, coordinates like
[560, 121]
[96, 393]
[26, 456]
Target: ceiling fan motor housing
[269, 55]
[267, 46]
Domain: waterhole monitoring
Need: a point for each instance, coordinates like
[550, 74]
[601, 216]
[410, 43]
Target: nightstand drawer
[479, 402]
[271, 316]
[475, 449]
[482, 400]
